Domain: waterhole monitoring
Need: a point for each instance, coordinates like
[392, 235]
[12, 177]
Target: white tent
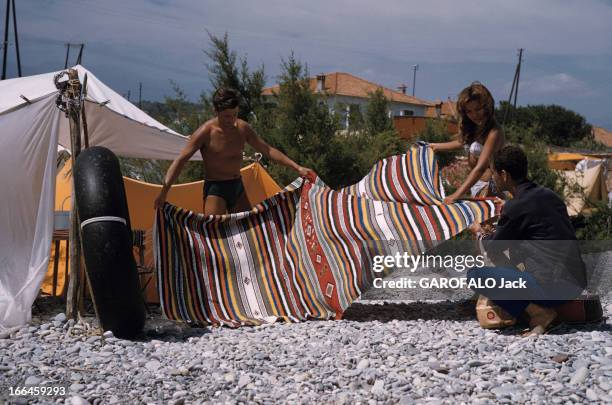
[31, 128]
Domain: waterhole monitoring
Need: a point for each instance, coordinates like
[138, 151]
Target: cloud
[555, 84]
[453, 42]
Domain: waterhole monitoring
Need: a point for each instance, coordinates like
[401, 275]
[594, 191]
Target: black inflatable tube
[107, 242]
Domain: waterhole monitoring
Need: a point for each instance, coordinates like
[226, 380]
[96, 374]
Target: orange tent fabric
[258, 184]
[566, 160]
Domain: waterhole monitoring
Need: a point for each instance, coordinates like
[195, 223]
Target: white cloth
[28, 164]
[477, 187]
[29, 134]
[586, 164]
[475, 149]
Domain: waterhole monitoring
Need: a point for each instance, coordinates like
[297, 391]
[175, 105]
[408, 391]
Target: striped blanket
[306, 252]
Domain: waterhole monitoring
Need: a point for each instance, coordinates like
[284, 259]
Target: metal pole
[414, 69]
[67, 54]
[16, 39]
[78, 62]
[5, 47]
[140, 95]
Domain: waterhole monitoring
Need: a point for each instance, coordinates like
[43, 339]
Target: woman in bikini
[481, 137]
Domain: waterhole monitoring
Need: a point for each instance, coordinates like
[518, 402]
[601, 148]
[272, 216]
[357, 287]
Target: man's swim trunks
[229, 190]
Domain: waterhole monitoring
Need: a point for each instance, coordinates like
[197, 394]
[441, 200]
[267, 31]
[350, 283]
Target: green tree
[304, 128]
[227, 70]
[356, 120]
[537, 157]
[377, 118]
[181, 115]
[551, 123]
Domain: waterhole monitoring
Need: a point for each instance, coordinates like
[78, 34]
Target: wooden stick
[74, 235]
[83, 115]
[480, 199]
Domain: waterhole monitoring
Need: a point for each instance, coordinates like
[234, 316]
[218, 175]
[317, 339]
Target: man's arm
[510, 227]
[272, 153]
[196, 142]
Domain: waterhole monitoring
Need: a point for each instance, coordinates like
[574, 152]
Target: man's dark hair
[225, 98]
[512, 159]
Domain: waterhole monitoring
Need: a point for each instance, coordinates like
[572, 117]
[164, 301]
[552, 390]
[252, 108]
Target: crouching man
[534, 247]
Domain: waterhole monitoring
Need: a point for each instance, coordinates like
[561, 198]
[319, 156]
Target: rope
[103, 219]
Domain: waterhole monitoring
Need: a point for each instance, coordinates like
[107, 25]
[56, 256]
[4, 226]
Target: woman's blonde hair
[468, 130]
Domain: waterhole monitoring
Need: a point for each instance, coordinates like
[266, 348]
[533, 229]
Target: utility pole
[140, 95]
[518, 75]
[514, 89]
[414, 70]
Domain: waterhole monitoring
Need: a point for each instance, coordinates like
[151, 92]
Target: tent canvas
[584, 188]
[31, 128]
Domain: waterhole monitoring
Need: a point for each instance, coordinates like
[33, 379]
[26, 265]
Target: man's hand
[160, 200]
[475, 228]
[499, 205]
[305, 172]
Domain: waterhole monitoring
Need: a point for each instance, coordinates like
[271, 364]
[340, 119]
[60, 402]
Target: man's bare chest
[226, 142]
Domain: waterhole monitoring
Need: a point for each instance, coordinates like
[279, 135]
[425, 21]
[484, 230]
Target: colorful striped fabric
[307, 252]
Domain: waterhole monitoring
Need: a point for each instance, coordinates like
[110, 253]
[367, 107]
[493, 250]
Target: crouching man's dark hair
[225, 98]
[512, 159]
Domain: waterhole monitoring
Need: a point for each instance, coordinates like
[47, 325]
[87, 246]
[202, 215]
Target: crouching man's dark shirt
[534, 228]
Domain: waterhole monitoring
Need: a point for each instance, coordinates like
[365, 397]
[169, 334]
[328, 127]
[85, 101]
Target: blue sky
[567, 58]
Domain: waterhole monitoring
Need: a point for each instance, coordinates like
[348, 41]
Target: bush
[537, 157]
[597, 225]
[436, 131]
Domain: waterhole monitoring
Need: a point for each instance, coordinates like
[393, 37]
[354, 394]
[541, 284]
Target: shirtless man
[221, 141]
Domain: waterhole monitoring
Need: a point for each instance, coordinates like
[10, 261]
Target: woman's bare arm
[491, 145]
[446, 146]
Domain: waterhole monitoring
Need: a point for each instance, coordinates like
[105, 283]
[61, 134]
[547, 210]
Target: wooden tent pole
[83, 115]
[72, 107]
